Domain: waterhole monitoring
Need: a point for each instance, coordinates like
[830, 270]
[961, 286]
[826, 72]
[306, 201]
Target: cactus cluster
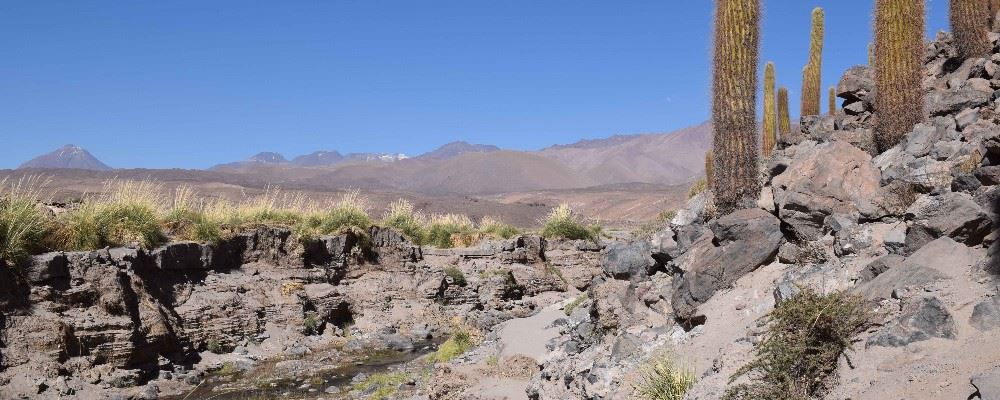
[811, 85]
[970, 23]
[709, 169]
[899, 50]
[770, 112]
[734, 101]
[784, 118]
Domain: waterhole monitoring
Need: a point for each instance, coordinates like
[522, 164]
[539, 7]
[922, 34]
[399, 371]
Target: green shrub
[496, 229]
[449, 230]
[662, 379]
[456, 345]
[23, 224]
[562, 222]
[806, 335]
[456, 276]
[575, 303]
[401, 216]
[382, 385]
[126, 214]
[311, 324]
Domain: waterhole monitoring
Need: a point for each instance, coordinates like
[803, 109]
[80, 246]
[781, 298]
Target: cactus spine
[784, 121]
[970, 20]
[734, 102]
[832, 98]
[770, 111]
[899, 50]
[811, 75]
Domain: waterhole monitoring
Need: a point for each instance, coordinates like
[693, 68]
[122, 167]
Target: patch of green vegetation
[120, 219]
[402, 217]
[23, 224]
[450, 230]
[575, 303]
[311, 323]
[456, 276]
[491, 227]
[382, 385]
[493, 360]
[562, 222]
[806, 335]
[228, 369]
[662, 379]
[697, 187]
[213, 346]
[456, 345]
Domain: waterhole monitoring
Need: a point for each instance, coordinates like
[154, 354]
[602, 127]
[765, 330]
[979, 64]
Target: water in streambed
[312, 383]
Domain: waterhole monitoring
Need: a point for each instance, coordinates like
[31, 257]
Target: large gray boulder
[987, 385]
[972, 93]
[832, 178]
[939, 260]
[856, 84]
[922, 319]
[738, 244]
[955, 215]
[986, 314]
[629, 261]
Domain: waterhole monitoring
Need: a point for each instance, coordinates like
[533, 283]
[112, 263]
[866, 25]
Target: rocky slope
[140, 324]
[913, 230]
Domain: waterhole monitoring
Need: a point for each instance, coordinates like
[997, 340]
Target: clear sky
[185, 83]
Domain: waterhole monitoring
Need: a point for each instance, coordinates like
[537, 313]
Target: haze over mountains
[464, 168]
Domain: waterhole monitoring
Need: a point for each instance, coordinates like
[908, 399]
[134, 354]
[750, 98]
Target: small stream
[259, 383]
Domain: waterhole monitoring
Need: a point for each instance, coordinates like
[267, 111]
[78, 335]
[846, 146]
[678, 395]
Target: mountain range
[465, 168]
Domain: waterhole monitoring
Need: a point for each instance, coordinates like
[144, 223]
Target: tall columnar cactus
[970, 23]
[709, 169]
[994, 10]
[899, 51]
[811, 85]
[832, 98]
[734, 102]
[784, 120]
[770, 111]
[871, 53]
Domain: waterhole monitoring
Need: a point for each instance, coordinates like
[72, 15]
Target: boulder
[986, 314]
[973, 93]
[938, 260]
[955, 215]
[833, 178]
[856, 84]
[740, 243]
[629, 261]
[922, 319]
[183, 256]
[987, 385]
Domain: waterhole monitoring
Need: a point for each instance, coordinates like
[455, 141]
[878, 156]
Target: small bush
[494, 228]
[562, 222]
[126, 214]
[575, 303]
[450, 230]
[697, 187]
[382, 385]
[456, 345]
[401, 216]
[456, 276]
[311, 324]
[349, 213]
[662, 379]
[23, 224]
[806, 335]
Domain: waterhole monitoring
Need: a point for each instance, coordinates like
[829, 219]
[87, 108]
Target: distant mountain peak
[320, 158]
[457, 148]
[268, 157]
[70, 157]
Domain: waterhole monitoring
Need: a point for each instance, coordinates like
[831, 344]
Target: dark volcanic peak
[68, 156]
[318, 159]
[268, 157]
[455, 149]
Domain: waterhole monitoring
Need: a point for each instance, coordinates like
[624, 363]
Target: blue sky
[190, 84]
